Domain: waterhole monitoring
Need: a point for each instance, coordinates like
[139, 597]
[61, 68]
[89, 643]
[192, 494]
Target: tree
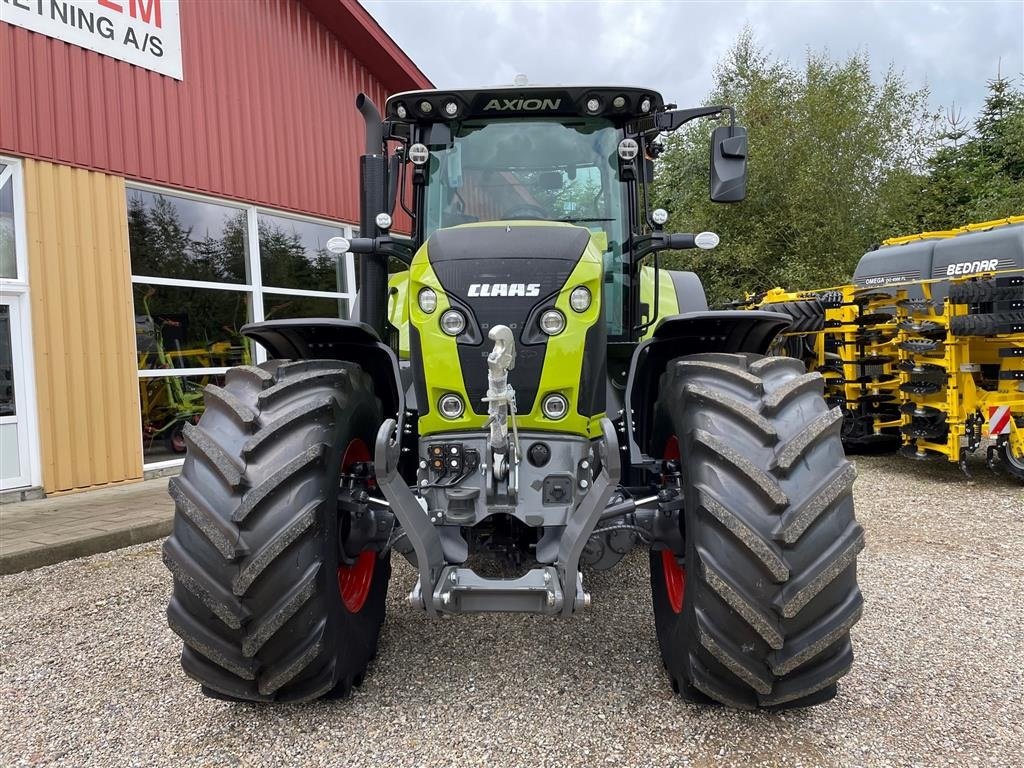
[978, 175]
[834, 157]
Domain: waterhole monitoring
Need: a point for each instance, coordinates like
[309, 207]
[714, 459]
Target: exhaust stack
[373, 186]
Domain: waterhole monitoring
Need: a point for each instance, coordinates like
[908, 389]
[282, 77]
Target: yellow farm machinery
[924, 350]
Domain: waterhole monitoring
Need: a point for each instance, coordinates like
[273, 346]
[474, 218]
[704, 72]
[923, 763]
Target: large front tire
[259, 582]
[757, 610]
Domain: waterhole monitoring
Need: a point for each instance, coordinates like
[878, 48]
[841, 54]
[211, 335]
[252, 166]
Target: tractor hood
[505, 274]
[509, 273]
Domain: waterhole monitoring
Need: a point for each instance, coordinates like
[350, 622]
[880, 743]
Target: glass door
[14, 456]
[18, 460]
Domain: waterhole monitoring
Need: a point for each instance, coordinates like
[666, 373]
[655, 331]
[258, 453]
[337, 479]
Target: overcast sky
[953, 47]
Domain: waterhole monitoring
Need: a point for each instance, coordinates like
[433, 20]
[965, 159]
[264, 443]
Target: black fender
[689, 291]
[335, 339]
[687, 334]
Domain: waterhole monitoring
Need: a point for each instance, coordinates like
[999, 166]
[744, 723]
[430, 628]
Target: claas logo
[504, 289]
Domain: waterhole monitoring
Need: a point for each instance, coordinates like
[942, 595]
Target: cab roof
[432, 106]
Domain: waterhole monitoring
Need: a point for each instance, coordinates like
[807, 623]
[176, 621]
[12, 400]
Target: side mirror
[728, 164]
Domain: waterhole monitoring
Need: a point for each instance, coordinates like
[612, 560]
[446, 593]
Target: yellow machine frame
[895, 352]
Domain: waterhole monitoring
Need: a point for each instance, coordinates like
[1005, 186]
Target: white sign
[145, 33]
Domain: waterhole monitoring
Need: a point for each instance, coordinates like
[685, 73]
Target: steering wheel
[526, 211]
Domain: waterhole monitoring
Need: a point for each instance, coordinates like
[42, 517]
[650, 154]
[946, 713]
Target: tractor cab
[578, 156]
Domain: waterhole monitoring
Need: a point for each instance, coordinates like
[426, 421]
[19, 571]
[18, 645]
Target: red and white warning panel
[998, 420]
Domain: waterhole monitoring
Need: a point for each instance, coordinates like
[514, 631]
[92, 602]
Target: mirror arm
[643, 245]
[670, 121]
[382, 246]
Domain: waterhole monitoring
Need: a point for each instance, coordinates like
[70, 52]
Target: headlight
[453, 322]
[552, 322]
[427, 300]
[555, 406]
[451, 406]
[628, 149]
[579, 299]
[418, 154]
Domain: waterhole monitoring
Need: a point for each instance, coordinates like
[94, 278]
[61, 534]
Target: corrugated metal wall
[265, 113]
[83, 328]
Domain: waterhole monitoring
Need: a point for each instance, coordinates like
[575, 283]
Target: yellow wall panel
[83, 327]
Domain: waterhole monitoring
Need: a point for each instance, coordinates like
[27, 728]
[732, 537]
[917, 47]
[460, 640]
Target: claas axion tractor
[531, 395]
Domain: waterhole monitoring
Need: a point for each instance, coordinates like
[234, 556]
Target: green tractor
[528, 398]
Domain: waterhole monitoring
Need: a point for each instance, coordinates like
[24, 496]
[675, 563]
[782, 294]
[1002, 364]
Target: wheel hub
[354, 580]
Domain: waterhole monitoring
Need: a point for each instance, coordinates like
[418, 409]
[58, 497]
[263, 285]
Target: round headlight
[401, 111]
[645, 105]
[555, 406]
[659, 216]
[419, 154]
[427, 300]
[453, 322]
[426, 107]
[619, 102]
[552, 322]
[579, 299]
[451, 406]
[628, 149]
[451, 109]
[383, 220]
[593, 104]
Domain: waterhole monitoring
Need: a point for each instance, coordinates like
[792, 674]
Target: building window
[201, 269]
[8, 253]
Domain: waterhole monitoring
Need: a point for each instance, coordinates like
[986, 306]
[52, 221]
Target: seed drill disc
[922, 412]
[927, 328]
[920, 369]
[919, 346]
[921, 387]
[873, 318]
[924, 430]
[875, 336]
[865, 295]
[915, 305]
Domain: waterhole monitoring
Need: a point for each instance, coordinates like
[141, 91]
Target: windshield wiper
[576, 221]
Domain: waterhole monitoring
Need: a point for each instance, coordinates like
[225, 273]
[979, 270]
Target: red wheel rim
[675, 580]
[354, 580]
[675, 574]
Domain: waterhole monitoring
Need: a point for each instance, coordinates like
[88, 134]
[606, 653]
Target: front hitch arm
[425, 540]
[586, 517]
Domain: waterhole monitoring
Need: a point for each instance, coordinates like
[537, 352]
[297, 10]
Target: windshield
[544, 169]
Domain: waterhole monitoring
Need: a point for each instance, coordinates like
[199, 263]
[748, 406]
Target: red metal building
[168, 171]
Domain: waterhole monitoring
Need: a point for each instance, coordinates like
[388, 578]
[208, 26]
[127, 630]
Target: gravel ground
[89, 672]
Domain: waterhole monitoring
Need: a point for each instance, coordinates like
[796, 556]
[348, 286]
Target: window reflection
[8, 256]
[277, 307]
[7, 404]
[293, 254]
[167, 404]
[177, 237]
[181, 327]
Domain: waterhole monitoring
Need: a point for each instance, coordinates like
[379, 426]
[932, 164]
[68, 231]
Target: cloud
[952, 47]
